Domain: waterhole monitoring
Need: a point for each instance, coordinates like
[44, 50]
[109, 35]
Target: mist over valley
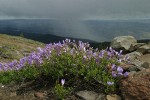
[90, 30]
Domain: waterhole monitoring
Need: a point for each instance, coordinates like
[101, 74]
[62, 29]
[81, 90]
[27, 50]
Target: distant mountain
[47, 38]
[108, 29]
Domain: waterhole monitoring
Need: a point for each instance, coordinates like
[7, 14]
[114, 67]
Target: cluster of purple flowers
[37, 58]
[118, 71]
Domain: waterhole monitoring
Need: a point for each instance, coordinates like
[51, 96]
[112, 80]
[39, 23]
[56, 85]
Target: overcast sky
[75, 9]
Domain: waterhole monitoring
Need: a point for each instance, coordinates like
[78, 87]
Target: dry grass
[17, 43]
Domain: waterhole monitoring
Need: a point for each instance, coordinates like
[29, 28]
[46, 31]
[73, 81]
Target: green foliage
[13, 75]
[61, 92]
[64, 66]
[63, 63]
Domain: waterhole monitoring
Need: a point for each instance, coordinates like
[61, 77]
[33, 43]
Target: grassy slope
[15, 47]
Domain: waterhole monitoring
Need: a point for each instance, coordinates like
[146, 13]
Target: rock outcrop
[125, 43]
[145, 49]
[137, 85]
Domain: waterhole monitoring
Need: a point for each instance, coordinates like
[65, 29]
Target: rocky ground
[135, 87]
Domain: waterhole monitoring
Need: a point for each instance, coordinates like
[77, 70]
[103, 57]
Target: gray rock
[101, 97]
[145, 65]
[90, 95]
[135, 46]
[139, 65]
[123, 42]
[133, 69]
[132, 72]
[134, 55]
[145, 49]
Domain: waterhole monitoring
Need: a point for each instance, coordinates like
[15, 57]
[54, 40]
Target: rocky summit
[137, 85]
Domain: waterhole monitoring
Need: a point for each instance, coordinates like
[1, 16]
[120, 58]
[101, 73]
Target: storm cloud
[75, 9]
[70, 12]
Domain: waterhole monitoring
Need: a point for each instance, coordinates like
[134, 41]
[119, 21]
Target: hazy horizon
[70, 13]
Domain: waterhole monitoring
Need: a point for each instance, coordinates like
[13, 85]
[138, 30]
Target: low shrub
[71, 61]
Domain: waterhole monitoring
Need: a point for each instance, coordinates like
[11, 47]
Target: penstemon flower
[119, 69]
[62, 82]
[113, 67]
[110, 83]
[126, 74]
[114, 74]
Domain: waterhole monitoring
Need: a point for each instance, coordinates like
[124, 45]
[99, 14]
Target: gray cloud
[75, 8]
[69, 12]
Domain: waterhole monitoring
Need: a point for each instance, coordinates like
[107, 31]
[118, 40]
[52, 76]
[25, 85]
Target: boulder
[137, 65]
[145, 49]
[145, 58]
[126, 66]
[136, 86]
[123, 42]
[145, 65]
[135, 46]
[134, 55]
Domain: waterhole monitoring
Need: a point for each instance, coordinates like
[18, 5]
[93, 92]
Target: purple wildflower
[113, 67]
[101, 54]
[119, 69]
[109, 53]
[97, 60]
[94, 54]
[120, 60]
[126, 74]
[62, 82]
[1, 66]
[23, 60]
[120, 52]
[110, 83]
[85, 57]
[114, 74]
[6, 67]
[19, 66]
[81, 46]
[110, 48]
[120, 74]
[116, 52]
[40, 50]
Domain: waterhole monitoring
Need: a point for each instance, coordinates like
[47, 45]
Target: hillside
[100, 30]
[15, 47]
[42, 74]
